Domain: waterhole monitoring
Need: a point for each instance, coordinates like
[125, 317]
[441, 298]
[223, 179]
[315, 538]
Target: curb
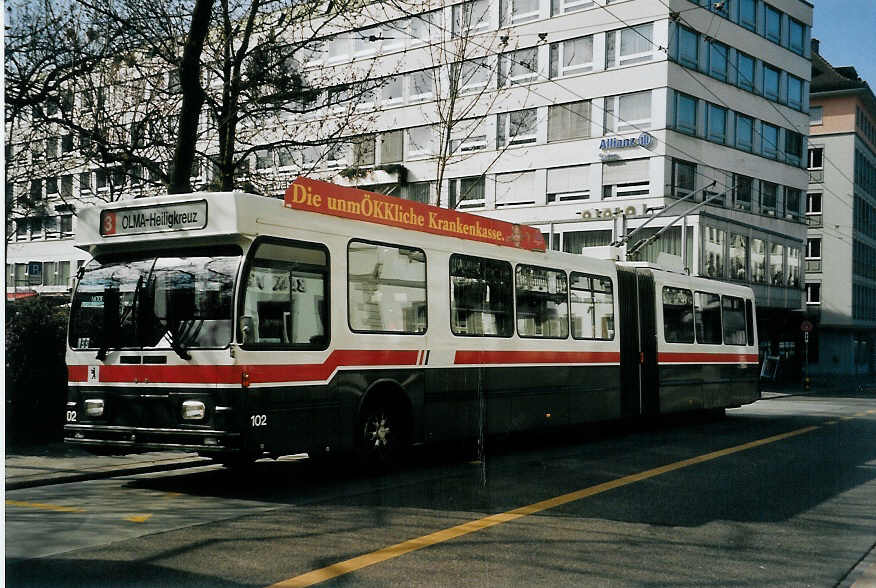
[108, 472]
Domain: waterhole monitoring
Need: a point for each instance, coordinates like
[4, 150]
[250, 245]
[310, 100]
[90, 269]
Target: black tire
[382, 437]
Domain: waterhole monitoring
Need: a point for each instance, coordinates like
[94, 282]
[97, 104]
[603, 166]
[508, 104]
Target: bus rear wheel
[382, 436]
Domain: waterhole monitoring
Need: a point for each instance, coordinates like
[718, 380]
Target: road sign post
[806, 327]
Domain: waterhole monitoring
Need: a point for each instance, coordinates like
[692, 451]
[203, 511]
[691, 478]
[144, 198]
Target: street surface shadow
[764, 484]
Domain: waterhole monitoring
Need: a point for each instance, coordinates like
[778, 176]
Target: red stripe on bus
[230, 374]
[707, 358]
[530, 357]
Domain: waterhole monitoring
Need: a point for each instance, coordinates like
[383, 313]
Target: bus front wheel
[382, 436]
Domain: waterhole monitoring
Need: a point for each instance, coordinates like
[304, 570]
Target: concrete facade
[583, 116]
[841, 268]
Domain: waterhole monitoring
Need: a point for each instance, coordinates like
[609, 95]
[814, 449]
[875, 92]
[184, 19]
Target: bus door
[638, 343]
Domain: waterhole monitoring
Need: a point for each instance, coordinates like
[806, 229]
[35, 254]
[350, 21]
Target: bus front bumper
[136, 439]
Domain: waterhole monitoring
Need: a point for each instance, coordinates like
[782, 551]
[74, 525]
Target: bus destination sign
[163, 218]
[325, 198]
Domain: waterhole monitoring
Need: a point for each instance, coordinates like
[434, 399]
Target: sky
[847, 31]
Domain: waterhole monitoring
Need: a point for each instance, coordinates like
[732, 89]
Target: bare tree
[156, 89]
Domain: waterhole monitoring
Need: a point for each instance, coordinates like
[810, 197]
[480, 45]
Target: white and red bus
[339, 320]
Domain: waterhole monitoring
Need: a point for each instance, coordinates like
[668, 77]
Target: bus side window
[542, 302]
[592, 307]
[285, 297]
[678, 316]
[733, 317]
[749, 321]
[481, 297]
[707, 311]
[386, 288]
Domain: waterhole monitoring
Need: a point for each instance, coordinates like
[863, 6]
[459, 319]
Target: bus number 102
[258, 420]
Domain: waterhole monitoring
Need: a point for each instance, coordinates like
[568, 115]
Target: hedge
[36, 376]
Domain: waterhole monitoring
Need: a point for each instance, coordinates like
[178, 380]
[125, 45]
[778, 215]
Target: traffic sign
[806, 326]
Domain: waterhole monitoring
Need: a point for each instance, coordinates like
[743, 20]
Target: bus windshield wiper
[111, 321]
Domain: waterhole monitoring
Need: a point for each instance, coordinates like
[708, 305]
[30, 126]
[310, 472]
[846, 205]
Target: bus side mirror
[246, 330]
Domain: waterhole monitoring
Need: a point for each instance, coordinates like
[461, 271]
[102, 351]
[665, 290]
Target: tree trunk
[193, 99]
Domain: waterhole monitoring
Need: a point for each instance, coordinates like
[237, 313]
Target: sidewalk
[56, 463]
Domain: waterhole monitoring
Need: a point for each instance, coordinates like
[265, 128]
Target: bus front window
[155, 303]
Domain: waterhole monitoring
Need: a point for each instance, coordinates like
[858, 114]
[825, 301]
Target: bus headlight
[193, 410]
[94, 407]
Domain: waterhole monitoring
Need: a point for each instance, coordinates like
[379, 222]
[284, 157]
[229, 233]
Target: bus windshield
[165, 301]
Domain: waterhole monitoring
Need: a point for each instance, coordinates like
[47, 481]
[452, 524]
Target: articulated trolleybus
[339, 321]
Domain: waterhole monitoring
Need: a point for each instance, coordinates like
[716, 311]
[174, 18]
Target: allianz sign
[643, 140]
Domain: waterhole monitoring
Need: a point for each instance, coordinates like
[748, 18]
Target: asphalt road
[780, 493]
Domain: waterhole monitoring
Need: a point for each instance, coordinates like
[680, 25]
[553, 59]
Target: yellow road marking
[399, 549]
[138, 518]
[44, 506]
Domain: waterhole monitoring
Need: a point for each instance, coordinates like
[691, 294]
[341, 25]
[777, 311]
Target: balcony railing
[813, 266]
[815, 221]
[816, 176]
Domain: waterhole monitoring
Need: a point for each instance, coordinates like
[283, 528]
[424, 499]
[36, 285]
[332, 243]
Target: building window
[421, 141]
[792, 202]
[466, 192]
[470, 16]
[481, 297]
[569, 121]
[519, 11]
[517, 128]
[635, 46]
[66, 186]
[66, 225]
[813, 293]
[474, 75]
[568, 183]
[744, 132]
[793, 280]
[688, 45]
[566, 6]
[816, 115]
[758, 261]
[768, 197]
[713, 252]
[683, 177]
[421, 85]
[816, 158]
[793, 147]
[748, 14]
[518, 67]
[571, 57]
[468, 135]
[813, 203]
[771, 82]
[795, 92]
[770, 136]
[797, 36]
[717, 123]
[417, 191]
[745, 71]
[364, 150]
[628, 112]
[773, 24]
[777, 260]
[686, 113]
[813, 248]
[718, 60]
[744, 189]
[738, 257]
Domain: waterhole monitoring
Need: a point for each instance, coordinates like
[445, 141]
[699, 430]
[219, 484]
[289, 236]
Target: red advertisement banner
[325, 198]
